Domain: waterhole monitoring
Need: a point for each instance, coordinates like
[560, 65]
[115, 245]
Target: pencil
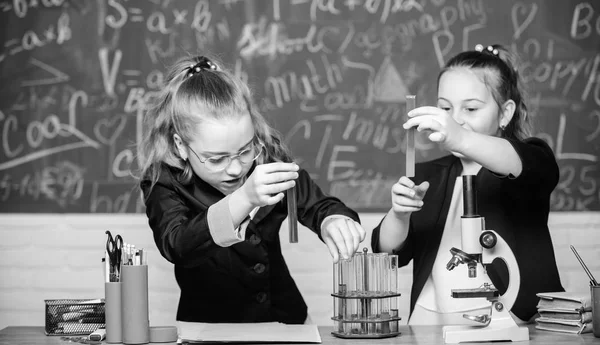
[593, 281]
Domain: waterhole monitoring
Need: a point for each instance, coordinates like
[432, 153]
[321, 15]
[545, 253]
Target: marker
[106, 265]
[411, 101]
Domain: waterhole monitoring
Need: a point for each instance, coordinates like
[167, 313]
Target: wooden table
[422, 335]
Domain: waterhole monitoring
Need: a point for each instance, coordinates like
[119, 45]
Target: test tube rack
[365, 297]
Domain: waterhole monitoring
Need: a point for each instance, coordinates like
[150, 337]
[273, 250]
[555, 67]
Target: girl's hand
[441, 127]
[266, 184]
[342, 236]
[407, 197]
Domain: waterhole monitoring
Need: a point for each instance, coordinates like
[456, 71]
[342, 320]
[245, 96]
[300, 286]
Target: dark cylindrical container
[595, 292]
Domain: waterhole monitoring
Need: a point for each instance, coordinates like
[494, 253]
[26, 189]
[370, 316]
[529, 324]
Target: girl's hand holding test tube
[342, 236]
[266, 184]
[407, 197]
[441, 127]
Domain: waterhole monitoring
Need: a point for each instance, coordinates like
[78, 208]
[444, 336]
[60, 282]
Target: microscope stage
[474, 293]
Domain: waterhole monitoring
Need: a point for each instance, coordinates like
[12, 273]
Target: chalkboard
[331, 75]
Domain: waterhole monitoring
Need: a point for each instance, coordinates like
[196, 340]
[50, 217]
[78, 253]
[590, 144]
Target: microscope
[481, 246]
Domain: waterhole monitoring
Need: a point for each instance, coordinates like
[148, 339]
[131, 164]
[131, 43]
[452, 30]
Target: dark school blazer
[516, 208]
[246, 282]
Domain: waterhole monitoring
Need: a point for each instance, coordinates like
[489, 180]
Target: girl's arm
[539, 170]
[184, 236]
[402, 247]
[393, 232]
[407, 197]
[314, 205]
[493, 153]
[343, 233]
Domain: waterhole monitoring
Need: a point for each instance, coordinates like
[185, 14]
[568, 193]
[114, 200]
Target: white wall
[57, 256]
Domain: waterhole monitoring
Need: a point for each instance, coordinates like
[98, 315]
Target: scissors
[114, 248]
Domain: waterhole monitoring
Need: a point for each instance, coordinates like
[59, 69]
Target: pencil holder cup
[134, 304]
[112, 301]
[595, 292]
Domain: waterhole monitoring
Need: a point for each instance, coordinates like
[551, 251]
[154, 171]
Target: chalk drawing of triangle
[47, 75]
[388, 85]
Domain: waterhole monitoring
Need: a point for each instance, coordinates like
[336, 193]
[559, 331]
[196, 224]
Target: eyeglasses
[220, 163]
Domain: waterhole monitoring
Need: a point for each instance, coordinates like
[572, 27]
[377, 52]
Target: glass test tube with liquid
[292, 214]
[377, 285]
[393, 284]
[359, 289]
[383, 308]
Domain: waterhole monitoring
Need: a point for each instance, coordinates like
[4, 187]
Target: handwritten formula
[331, 75]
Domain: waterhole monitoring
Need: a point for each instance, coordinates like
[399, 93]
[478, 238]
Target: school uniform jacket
[222, 278]
[516, 208]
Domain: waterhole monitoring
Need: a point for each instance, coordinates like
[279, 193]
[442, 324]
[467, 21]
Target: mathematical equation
[341, 68]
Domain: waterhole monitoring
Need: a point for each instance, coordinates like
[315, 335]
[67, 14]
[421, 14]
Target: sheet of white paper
[273, 332]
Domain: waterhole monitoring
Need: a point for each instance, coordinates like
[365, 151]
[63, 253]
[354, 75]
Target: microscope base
[461, 334]
[501, 327]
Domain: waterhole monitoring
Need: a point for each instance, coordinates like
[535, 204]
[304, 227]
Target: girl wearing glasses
[214, 176]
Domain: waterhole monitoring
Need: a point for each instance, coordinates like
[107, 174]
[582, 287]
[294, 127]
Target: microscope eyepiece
[469, 196]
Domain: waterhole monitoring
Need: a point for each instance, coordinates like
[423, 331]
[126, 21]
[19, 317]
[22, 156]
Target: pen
[93, 319]
[70, 316]
[593, 281]
[106, 267]
[82, 307]
[142, 256]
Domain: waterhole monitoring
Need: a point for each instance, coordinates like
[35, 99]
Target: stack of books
[567, 312]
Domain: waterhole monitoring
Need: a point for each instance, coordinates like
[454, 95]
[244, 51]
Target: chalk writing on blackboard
[331, 75]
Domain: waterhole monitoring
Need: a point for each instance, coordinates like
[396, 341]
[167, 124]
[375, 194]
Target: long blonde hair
[186, 100]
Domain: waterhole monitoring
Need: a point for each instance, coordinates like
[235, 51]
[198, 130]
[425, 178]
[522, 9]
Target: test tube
[411, 101]
[342, 309]
[371, 277]
[345, 286]
[359, 274]
[393, 284]
[377, 281]
[292, 214]
[383, 309]
[336, 277]
[359, 285]
[366, 302]
[336, 301]
[353, 287]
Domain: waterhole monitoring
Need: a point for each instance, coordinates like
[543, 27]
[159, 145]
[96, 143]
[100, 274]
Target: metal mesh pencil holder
[365, 297]
[73, 316]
